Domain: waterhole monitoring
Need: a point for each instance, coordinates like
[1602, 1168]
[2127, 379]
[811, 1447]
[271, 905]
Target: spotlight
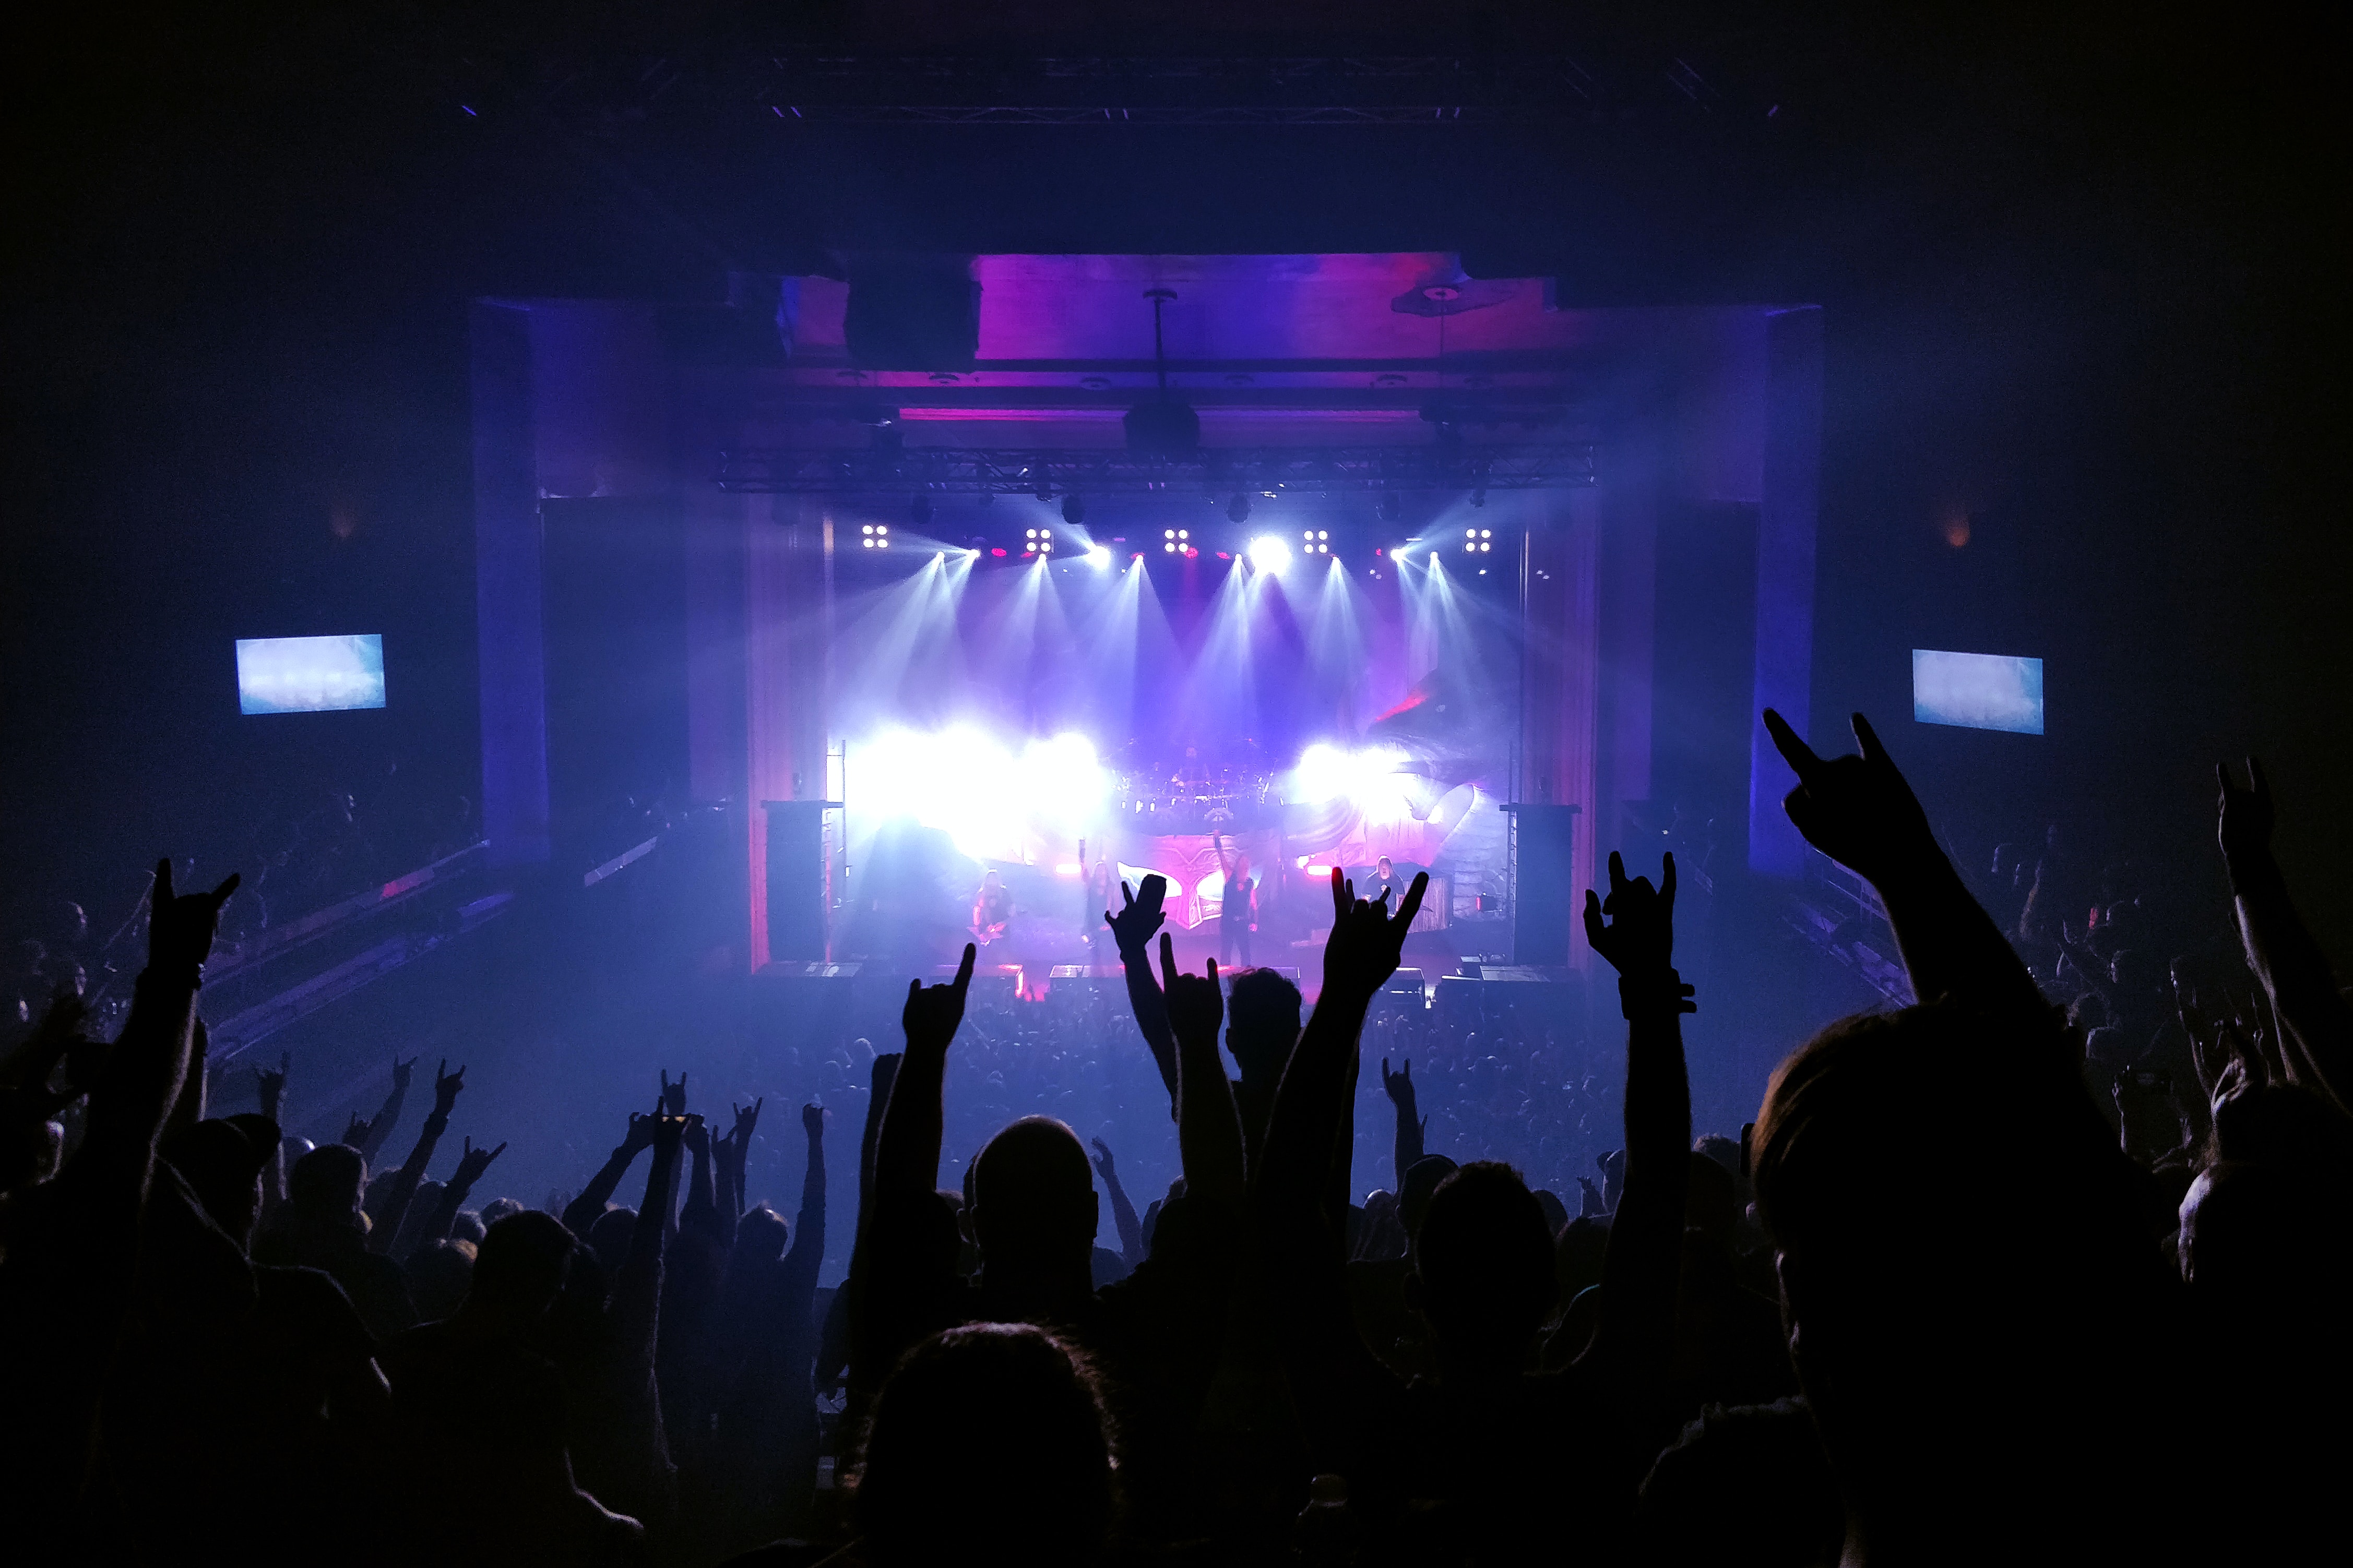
[920, 509]
[1029, 533]
[1167, 533]
[1170, 546]
[1486, 534]
[1046, 544]
[1269, 553]
[1184, 533]
[1099, 554]
[867, 529]
[881, 544]
[1239, 509]
[880, 529]
[1470, 533]
[1321, 534]
[1074, 509]
[1307, 533]
[868, 542]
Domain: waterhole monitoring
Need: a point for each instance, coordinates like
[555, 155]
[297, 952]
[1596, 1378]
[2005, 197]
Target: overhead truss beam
[1052, 471]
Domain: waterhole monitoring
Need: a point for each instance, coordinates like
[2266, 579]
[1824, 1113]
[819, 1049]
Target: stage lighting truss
[1477, 540]
[1315, 541]
[1236, 473]
[875, 535]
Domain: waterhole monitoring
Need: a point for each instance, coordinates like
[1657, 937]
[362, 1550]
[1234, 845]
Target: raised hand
[1366, 941]
[746, 1121]
[934, 1013]
[1196, 1005]
[402, 1072]
[473, 1163]
[813, 1119]
[272, 1086]
[2243, 817]
[673, 1094]
[445, 1085]
[697, 1139]
[1102, 1160]
[180, 930]
[1140, 916]
[1858, 810]
[1640, 939]
[1398, 1085]
[356, 1133]
[670, 1132]
[641, 1134]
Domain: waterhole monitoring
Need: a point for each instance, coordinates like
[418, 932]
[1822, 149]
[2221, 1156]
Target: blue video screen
[1978, 690]
[309, 675]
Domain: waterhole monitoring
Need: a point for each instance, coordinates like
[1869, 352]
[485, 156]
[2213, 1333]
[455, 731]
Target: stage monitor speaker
[1545, 897]
[800, 883]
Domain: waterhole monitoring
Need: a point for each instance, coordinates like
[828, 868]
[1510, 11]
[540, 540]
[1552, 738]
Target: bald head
[1033, 1196]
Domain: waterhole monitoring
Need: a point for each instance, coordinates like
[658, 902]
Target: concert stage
[1050, 571]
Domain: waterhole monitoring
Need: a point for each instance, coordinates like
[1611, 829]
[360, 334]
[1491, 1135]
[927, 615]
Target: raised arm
[636, 1306]
[807, 1254]
[907, 1152]
[388, 1115]
[452, 1197]
[702, 1211]
[1132, 928]
[582, 1212]
[1361, 954]
[1635, 1335]
[106, 1178]
[445, 1087]
[1859, 811]
[1123, 1213]
[1406, 1144]
[1208, 1128]
[271, 1089]
[2316, 1023]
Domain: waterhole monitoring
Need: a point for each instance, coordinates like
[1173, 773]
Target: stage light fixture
[881, 543]
[1307, 533]
[1486, 534]
[1239, 509]
[869, 543]
[1100, 554]
[1170, 546]
[1167, 533]
[1321, 534]
[1269, 553]
[867, 529]
[1029, 533]
[1074, 509]
[1184, 533]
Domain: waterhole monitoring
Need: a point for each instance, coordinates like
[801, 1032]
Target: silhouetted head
[608, 1237]
[222, 1162]
[1864, 1229]
[440, 1277]
[519, 1268]
[498, 1209]
[1033, 1199]
[466, 1225]
[1556, 1212]
[1711, 1202]
[988, 1444]
[1422, 1180]
[1384, 868]
[1261, 1023]
[1484, 1264]
[1576, 1255]
[762, 1233]
[325, 1185]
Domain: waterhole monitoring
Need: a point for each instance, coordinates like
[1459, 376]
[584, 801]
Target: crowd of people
[2043, 1268]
